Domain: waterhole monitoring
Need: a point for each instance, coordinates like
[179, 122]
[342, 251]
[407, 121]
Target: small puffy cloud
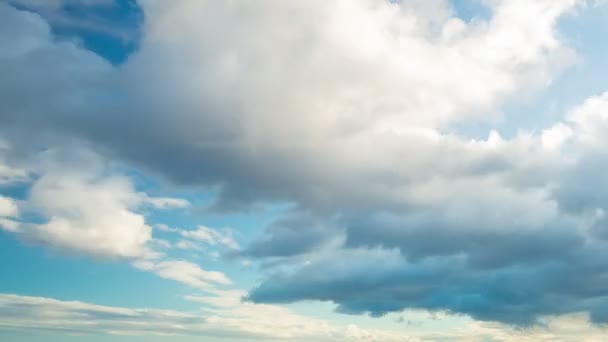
[184, 272]
[186, 244]
[80, 208]
[206, 235]
[165, 202]
[590, 120]
[223, 237]
[8, 207]
[87, 213]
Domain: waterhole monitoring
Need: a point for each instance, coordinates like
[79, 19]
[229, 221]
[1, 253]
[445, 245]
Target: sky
[320, 170]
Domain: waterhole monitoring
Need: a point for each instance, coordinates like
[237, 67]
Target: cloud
[590, 119]
[80, 208]
[217, 116]
[293, 234]
[84, 211]
[209, 236]
[19, 312]
[228, 318]
[495, 247]
[257, 322]
[381, 281]
[88, 214]
[346, 110]
[8, 207]
[10, 174]
[212, 237]
[184, 272]
[185, 244]
[165, 202]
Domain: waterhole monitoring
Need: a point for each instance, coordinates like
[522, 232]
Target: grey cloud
[76, 317]
[490, 244]
[583, 186]
[379, 281]
[292, 234]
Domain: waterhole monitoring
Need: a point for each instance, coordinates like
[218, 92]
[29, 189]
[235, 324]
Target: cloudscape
[303, 170]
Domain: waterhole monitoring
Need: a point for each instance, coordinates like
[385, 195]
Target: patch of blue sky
[245, 225]
[111, 31]
[32, 270]
[471, 10]
[114, 35]
[36, 270]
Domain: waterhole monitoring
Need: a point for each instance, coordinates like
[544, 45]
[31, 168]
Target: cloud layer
[224, 318]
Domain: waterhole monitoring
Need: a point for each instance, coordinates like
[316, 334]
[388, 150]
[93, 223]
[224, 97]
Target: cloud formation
[349, 112]
[513, 252]
[79, 209]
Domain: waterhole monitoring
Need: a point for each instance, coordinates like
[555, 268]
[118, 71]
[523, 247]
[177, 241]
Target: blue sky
[303, 171]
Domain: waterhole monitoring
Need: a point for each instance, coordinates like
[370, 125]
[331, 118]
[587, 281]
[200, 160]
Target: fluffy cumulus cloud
[89, 214]
[81, 210]
[265, 112]
[513, 245]
[8, 207]
[348, 111]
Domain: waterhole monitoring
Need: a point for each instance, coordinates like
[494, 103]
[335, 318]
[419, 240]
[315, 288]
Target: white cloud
[165, 228]
[8, 207]
[223, 237]
[86, 210]
[233, 319]
[83, 209]
[590, 121]
[184, 272]
[165, 202]
[185, 244]
[87, 213]
[209, 236]
[352, 66]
